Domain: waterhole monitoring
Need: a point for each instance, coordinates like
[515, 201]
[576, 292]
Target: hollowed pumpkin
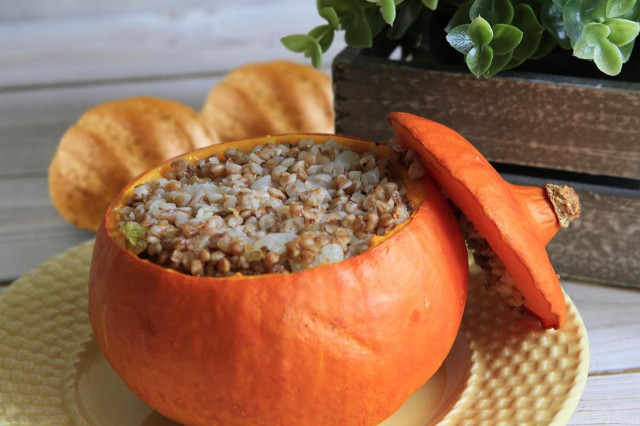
[338, 344]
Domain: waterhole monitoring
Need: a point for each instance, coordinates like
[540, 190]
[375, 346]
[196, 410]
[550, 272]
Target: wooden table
[60, 59]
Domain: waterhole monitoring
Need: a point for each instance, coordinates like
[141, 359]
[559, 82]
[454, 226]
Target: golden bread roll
[111, 144]
[270, 98]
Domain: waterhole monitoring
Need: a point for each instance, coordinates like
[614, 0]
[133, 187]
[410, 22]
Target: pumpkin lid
[516, 221]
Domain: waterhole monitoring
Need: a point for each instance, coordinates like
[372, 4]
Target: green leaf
[594, 33]
[617, 8]
[608, 58]
[626, 51]
[513, 63]
[584, 50]
[460, 40]
[593, 10]
[498, 64]
[552, 20]
[297, 42]
[324, 35]
[357, 30]
[388, 10]
[480, 31]
[525, 19]
[407, 15]
[329, 13]
[573, 20]
[326, 41]
[341, 7]
[559, 4]
[316, 55]
[547, 44]
[494, 11]
[374, 18]
[431, 4]
[632, 14]
[479, 59]
[623, 31]
[460, 17]
[505, 39]
[135, 233]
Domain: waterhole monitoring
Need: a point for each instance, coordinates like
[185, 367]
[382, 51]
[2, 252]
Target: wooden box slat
[580, 125]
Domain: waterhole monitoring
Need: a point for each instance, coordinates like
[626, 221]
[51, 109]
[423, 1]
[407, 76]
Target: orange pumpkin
[111, 144]
[337, 344]
[269, 98]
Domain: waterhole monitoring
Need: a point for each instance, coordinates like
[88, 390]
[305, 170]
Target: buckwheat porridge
[275, 209]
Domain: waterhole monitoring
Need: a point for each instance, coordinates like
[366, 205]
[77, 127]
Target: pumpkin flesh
[344, 343]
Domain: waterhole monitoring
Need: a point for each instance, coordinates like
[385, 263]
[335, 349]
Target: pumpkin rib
[190, 133]
[477, 189]
[326, 345]
[109, 132]
[290, 106]
[263, 119]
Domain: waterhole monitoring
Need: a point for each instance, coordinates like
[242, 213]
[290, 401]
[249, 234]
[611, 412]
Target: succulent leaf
[297, 42]
[480, 31]
[329, 13]
[460, 17]
[357, 30]
[525, 19]
[498, 63]
[494, 11]
[388, 10]
[479, 59]
[551, 18]
[623, 31]
[505, 39]
[617, 8]
[608, 58]
[431, 4]
[460, 40]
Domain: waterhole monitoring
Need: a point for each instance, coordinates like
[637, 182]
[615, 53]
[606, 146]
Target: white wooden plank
[32, 121]
[611, 399]
[31, 230]
[11, 10]
[144, 44]
[612, 318]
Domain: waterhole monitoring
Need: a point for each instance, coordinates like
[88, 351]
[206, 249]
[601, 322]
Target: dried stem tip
[565, 203]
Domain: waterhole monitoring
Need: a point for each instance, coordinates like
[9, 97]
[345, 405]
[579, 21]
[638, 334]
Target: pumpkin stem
[548, 209]
[565, 203]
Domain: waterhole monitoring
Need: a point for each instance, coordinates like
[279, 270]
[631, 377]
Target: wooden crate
[535, 128]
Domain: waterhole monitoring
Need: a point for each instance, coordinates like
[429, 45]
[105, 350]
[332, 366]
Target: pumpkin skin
[113, 143]
[339, 344]
[270, 98]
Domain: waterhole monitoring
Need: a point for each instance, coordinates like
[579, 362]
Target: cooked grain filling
[275, 209]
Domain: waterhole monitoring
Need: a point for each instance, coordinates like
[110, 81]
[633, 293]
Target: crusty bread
[270, 98]
[111, 144]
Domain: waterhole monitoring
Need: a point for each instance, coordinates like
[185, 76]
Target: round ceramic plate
[503, 369]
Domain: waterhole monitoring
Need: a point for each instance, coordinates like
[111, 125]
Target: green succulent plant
[491, 35]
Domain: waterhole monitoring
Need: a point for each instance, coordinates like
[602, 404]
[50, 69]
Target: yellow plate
[503, 369]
